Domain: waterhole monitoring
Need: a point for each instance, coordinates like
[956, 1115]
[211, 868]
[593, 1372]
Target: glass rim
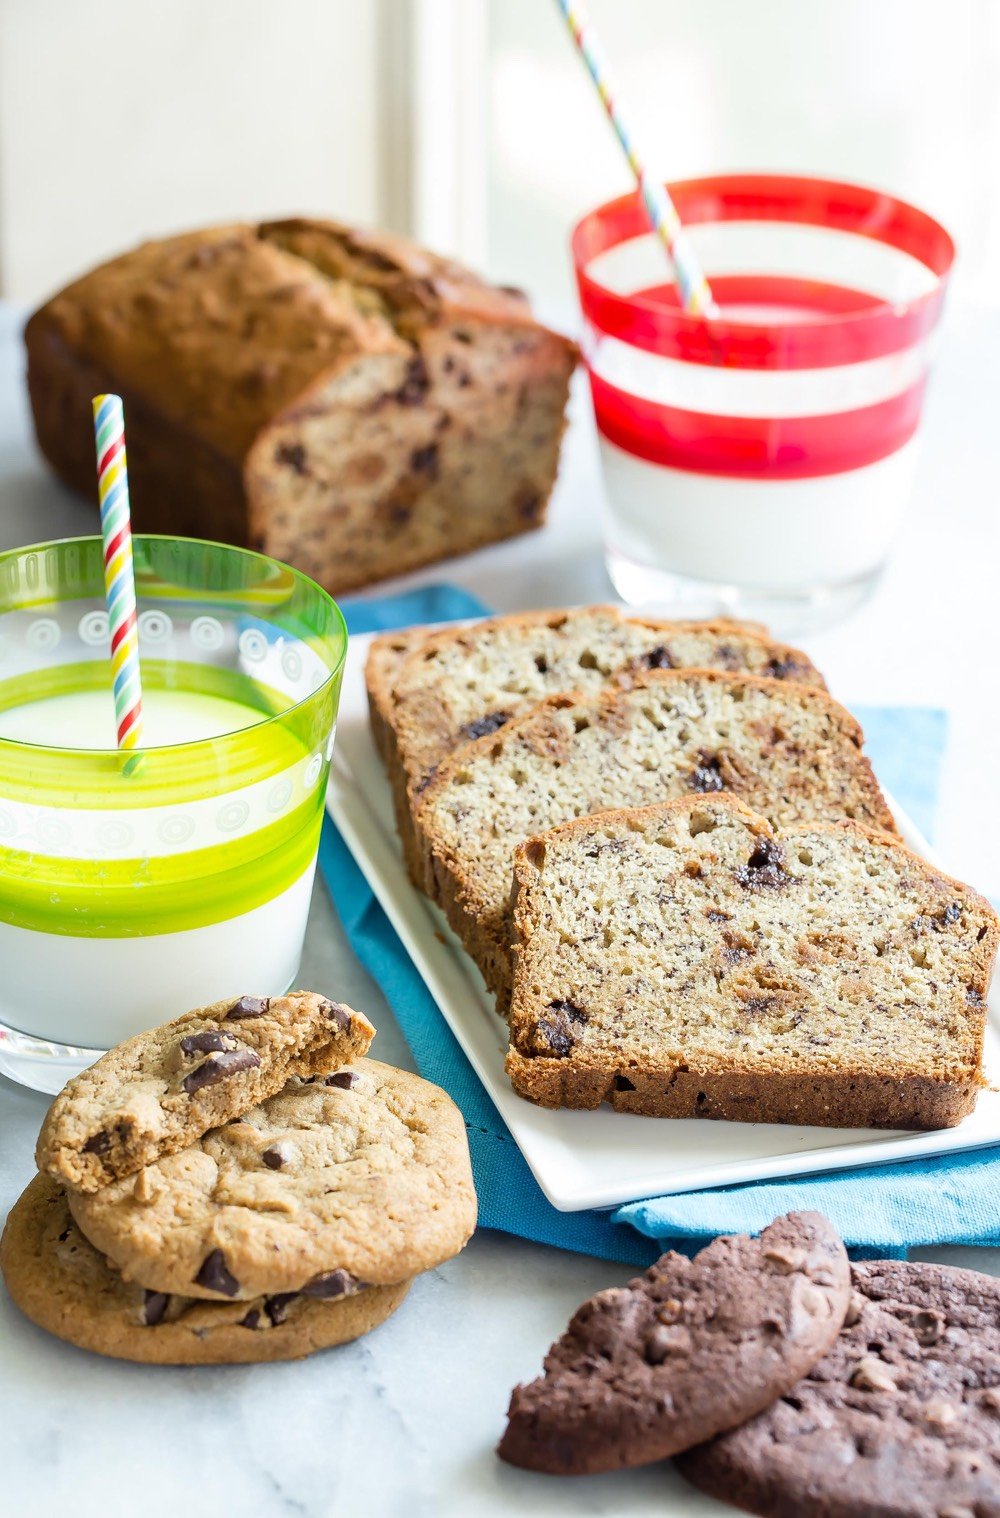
[881, 325]
[340, 632]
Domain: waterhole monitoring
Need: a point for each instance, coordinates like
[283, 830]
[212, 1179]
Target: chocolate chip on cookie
[345, 1079]
[686, 1350]
[900, 1417]
[219, 1067]
[150, 1096]
[278, 1154]
[276, 1307]
[335, 1283]
[337, 1014]
[248, 1006]
[154, 1305]
[208, 1042]
[214, 1275]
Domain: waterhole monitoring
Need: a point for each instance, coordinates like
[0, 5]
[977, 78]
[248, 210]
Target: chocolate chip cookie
[161, 1090]
[60, 1282]
[686, 1350]
[900, 1420]
[363, 1174]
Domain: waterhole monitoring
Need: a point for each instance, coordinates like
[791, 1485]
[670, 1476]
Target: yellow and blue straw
[696, 295]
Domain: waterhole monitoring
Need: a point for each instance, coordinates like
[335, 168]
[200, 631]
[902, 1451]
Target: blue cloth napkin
[881, 1210]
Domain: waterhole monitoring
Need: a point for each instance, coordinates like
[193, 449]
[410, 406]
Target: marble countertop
[403, 1423]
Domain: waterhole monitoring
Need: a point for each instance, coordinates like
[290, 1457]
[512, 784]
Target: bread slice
[428, 695]
[461, 682]
[685, 960]
[789, 751]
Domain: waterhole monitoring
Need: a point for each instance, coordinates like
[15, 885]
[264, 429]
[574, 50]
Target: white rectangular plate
[603, 1158]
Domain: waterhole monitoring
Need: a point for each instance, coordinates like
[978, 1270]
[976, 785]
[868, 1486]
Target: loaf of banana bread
[346, 402]
[687, 960]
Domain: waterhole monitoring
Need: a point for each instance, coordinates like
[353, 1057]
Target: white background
[896, 93]
[472, 121]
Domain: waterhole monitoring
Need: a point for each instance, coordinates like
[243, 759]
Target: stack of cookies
[784, 1380]
[238, 1185]
[664, 848]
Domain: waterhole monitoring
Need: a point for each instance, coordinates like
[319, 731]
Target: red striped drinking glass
[760, 463]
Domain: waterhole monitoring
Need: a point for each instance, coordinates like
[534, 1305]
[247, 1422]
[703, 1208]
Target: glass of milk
[130, 893]
[760, 463]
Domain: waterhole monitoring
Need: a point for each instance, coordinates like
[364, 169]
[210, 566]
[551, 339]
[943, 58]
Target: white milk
[98, 991]
[776, 535]
[95, 991]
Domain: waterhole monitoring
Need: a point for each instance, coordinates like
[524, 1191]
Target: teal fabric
[879, 1212]
[883, 1210]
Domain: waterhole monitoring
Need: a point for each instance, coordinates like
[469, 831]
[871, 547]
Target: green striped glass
[134, 887]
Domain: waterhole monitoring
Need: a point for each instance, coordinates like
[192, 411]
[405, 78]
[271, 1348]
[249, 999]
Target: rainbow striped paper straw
[695, 293]
[119, 578]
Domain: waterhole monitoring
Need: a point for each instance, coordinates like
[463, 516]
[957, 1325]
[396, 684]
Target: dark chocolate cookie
[900, 1420]
[687, 1350]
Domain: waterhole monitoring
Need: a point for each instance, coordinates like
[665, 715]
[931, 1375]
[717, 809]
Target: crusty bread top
[408, 282]
[788, 750]
[690, 933]
[224, 328]
[460, 682]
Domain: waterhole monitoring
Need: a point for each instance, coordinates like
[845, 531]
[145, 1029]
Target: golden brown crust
[385, 657]
[417, 285]
[187, 484]
[222, 328]
[854, 1099]
[761, 1091]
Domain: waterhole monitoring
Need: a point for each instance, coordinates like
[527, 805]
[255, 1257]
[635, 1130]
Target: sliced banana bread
[685, 960]
[461, 682]
[789, 751]
[430, 693]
